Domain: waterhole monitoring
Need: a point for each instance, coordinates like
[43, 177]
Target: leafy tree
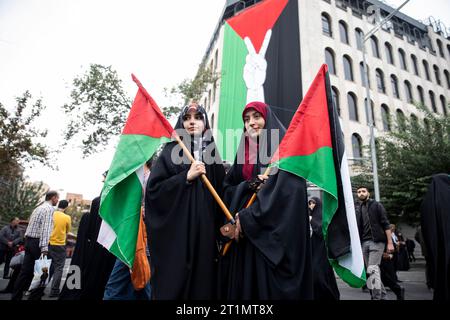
[99, 106]
[20, 198]
[407, 158]
[18, 148]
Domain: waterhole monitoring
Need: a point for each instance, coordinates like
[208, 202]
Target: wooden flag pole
[249, 203]
[206, 182]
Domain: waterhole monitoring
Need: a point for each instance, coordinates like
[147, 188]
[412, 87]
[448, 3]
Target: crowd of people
[274, 251]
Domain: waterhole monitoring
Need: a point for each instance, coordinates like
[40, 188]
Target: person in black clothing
[410, 246]
[435, 222]
[375, 235]
[95, 262]
[184, 218]
[325, 286]
[270, 258]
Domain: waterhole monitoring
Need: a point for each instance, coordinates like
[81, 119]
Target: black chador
[184, 219]
[273, 258]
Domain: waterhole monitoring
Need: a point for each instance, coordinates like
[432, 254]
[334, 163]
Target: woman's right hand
[197, 169]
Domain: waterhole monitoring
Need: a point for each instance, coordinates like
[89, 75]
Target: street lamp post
[368, 101]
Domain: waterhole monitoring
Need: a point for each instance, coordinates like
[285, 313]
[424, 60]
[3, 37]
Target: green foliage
[98, 108]
[407, 158]
[99, 105]
[20, 198]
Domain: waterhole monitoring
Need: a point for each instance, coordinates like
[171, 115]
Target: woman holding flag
[271, 255]
[184, 217]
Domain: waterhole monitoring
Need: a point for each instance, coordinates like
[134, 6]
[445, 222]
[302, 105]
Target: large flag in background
[282, 85]
[313, 148]
[146, 128]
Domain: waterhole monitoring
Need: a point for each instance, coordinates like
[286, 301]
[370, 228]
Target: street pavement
[413, 281]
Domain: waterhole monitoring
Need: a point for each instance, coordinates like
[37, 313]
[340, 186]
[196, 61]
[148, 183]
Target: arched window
[426, 123]
[212, 121]
[348, 70]
[361, 71]
[352, 107]
[408, 91]
[437, 75]
[426, 69]
[402, 58]
[440, 48]
[401, 120]
[380, 81]
[335, 93]
[343, 32]
[329, 60]
[359, 36]
[433, 101]
[357, 146]
[421, 95]
[394, 83]
[414, 120]
[385, 117]
[326, 24]
[372, 107]
[447, 78]
[443, 104]
[415, 66]
[374, 43]
[389, 55]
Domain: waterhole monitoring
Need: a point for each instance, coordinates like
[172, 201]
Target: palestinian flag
[313, 148]
[282, 85]
[120, 205]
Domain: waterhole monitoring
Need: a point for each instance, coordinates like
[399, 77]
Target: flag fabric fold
[145, 130]
[313, 148]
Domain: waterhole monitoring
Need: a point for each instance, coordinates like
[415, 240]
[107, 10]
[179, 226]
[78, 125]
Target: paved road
[413, 281]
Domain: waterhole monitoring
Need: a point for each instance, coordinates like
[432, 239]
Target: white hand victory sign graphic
[255, 69]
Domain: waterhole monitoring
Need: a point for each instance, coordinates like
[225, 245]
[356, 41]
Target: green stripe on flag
[233, 91]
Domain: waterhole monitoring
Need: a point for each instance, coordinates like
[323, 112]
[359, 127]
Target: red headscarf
[250, 149]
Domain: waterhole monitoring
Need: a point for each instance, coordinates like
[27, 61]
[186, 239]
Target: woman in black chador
[184, 218]
[271, 258]
[325, 286]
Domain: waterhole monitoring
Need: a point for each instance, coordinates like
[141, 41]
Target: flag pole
[249, 203]
[206, 181]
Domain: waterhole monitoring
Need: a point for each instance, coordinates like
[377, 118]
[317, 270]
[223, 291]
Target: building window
[380, 81]
[356, 146]
[421, 95]
[361, 71]
[443, 104]
[441, 50]
[389, 55]
[394, 83]
[437, 75]
[374, 43]
[433, 101]
[447, 78]
[343, 32]
[352, 107]
[216, 59]
[401, 120]
[414, 120]
[372, 107]
[415, 66]
[359, 35]
[385, 117]
[348, 70]
[329, 60]
[408, 91]
[427, 70]
[402, 57]
[448, 50]
[212, 121]
[335, 93]
[326, 25]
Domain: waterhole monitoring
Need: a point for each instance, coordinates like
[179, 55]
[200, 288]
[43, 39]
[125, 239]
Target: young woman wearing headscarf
[184, 218]
[271, 258]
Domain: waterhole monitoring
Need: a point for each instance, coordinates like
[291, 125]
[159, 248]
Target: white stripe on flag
[106, 235]
[354, 260]
[140, 174]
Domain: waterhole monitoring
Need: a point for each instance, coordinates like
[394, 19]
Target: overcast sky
[45, 43]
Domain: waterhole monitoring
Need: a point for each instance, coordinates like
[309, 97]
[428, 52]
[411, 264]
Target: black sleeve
[384, 221]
